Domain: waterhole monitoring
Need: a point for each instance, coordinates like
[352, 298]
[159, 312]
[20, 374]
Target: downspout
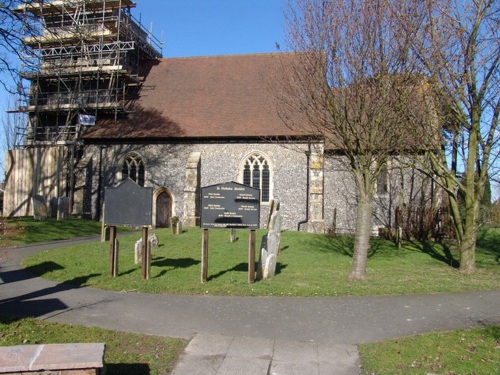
[308, 157]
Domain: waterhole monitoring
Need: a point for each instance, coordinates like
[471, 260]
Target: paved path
[257, 335]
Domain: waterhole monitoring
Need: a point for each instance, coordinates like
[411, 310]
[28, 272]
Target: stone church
[185, 123]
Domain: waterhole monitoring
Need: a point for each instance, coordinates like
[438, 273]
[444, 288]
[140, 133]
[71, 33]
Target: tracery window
[257, 174]
[133, 168]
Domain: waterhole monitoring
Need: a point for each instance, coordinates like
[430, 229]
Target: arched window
[133, 168]
[256, 173]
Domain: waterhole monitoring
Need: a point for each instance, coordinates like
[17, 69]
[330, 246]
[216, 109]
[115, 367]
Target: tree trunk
[467, 246]
[472, 195]
[362, 239]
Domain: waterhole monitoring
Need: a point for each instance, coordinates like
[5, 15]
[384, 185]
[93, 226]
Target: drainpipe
[308, 157]
[99, 183]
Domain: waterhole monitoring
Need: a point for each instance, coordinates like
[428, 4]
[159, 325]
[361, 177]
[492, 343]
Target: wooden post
[112, 251]
[145, 256]
[251, 257]
[117, 256]
[204, 256]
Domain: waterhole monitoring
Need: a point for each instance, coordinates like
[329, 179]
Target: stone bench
[53, 359]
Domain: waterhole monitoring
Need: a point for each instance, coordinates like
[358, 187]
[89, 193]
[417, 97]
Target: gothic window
[133, 168]
[383, 181]
[256, 173]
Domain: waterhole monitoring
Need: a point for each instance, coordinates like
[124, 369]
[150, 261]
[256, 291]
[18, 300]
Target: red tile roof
[202, 97]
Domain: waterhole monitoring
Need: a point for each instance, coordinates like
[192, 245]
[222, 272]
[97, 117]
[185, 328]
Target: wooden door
[163, 210]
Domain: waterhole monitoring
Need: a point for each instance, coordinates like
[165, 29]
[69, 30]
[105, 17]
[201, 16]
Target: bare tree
[456, 44]
[12, 27]
[349, 80]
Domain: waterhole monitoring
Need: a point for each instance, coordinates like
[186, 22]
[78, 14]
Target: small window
[133, 168]
[256, 174]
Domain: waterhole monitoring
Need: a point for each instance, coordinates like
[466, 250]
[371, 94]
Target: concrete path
[245, 335]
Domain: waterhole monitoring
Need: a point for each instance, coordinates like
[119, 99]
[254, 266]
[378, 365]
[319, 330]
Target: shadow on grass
[127, 368]
[344, 245]
[242, 267]
[429, 248]
[162, 262]
[41, 269]
[174, 263]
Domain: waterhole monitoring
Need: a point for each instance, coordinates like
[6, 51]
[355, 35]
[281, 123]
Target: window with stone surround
[256, 173]
[133, 168]
[383, 181]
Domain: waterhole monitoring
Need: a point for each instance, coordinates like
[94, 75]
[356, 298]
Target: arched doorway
[163, 210]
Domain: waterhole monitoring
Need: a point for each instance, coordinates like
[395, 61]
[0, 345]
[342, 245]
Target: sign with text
[230, 205]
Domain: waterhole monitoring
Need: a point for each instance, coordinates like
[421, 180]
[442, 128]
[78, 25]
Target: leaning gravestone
[39, 208]
[270, 247]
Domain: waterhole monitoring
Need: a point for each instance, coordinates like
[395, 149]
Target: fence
[423, 222]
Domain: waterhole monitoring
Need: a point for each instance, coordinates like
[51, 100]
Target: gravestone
[62, 208]
[138, 252]
[39, 208]
[269, 266]
[270, 247]
[153, 242]
[53, 207]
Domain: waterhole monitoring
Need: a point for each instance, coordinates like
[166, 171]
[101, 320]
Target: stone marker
[62, 208]
[270, 247]
[138, 252]
[270, 266]
[153, 242]
[39, 208]
[53, 207]
[232, 235]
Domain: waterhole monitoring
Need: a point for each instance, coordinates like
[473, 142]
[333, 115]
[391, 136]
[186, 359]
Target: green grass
[25, 230]
[308, 265]
[126, 353]
[466, 352]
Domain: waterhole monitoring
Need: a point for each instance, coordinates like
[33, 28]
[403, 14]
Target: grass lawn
[467, 352]
[126, 353]
[309, 265]
[25, 230]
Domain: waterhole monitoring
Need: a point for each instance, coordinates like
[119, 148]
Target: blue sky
[213, 27]
[202, 28]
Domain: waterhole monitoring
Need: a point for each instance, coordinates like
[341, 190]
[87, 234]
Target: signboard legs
[204, 256]
[146, 255]
[113, 252]
[251, 257]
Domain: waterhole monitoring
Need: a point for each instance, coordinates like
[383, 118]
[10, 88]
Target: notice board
[230, 205]
[128, 204]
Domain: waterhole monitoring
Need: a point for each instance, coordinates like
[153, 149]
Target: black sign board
[128, 204]
[230, 205]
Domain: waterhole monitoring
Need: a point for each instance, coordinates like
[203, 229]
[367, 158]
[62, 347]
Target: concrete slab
[221, 355]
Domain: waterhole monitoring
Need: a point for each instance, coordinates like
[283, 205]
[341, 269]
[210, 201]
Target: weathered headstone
[138, 252]
[270, 247]
[269, 266]
[53, 207]
[232, 235]
[62, 208]
[153, 240]
[39, 208]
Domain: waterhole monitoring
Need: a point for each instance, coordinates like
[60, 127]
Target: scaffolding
[82, 60]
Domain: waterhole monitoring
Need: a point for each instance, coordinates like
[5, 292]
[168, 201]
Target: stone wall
[170, 167]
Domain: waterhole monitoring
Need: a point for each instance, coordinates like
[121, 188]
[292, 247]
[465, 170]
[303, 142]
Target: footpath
[244, 335]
